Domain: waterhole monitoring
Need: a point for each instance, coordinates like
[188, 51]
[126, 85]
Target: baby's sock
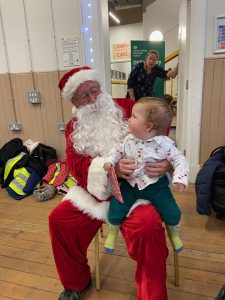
[111, 238]
[173, 233]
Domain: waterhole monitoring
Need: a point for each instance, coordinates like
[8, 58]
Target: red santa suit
[75, 221]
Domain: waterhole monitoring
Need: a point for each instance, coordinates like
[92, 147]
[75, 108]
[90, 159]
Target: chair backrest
[126, 104]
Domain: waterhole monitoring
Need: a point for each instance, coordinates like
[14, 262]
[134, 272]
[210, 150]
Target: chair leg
[97, 267]
[101, 232]
[176, 268]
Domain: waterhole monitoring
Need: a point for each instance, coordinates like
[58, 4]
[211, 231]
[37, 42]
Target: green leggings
[158, 194]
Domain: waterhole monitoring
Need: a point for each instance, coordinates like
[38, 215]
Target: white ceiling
[128, 11]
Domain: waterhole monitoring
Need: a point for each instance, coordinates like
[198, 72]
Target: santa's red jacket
[92, 179]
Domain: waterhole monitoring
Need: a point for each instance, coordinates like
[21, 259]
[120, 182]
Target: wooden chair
[176, 268]
[97, 264]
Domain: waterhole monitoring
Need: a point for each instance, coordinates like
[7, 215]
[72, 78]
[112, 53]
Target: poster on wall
[121, 51]
[219, 35]
[70, 51]
[139, 50]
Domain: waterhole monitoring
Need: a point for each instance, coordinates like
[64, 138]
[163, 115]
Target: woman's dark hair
[152, 52]
[168, 98]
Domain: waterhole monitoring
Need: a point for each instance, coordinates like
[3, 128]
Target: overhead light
[156, 36]
[114, 17]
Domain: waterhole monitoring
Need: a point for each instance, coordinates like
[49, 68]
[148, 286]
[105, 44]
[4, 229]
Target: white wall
[163, 16]
[32, 34]
[171, 85]
[15, 37]
[41, 21]
[124, 34]
[215, 8]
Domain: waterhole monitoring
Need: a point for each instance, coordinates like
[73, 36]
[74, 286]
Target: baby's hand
[107, 167]
[180, 187]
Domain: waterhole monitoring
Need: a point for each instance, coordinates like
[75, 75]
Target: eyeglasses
[94, 91]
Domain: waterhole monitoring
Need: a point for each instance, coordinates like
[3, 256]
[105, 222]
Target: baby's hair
[168, 98]
[158, 112]
[152, 52]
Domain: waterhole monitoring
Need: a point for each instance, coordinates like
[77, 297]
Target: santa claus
[97, 125]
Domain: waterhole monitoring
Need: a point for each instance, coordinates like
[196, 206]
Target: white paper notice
[70, 50]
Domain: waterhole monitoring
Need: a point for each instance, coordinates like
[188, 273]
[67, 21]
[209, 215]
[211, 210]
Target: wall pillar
[95, 25]
[196, 69]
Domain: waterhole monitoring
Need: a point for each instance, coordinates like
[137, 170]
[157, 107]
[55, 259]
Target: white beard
[99, 127]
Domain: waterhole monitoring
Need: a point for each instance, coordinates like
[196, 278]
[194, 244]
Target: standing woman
[143, 75]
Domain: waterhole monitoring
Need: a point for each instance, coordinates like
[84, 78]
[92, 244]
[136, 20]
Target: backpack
[9, 150]
[23, 172]
[38, 161]
[45, 154]
[218, 185]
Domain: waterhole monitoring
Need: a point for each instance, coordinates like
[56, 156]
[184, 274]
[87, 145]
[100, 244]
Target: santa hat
[72, 79]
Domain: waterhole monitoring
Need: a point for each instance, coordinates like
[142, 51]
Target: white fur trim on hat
[98, 183]
[76, 79]
[86, 203]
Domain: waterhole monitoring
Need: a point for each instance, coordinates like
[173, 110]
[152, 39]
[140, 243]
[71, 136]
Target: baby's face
[137, 122]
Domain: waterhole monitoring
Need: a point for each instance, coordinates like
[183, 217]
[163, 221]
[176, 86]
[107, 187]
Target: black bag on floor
[38, 160]
[221, 295]
[9, 150]
[218, 186]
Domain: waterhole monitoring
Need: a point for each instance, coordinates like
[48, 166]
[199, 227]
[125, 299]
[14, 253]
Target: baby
[147, 143]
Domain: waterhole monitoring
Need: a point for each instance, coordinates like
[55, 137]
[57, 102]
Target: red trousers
[72, 231]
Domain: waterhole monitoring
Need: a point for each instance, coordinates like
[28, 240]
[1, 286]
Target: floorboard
[27, 269]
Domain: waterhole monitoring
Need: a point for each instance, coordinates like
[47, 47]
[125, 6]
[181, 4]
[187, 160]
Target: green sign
[139, 51]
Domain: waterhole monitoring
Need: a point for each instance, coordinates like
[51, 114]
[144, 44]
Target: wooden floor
[27, 268]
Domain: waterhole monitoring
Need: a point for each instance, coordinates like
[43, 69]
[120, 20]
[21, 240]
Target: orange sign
[121, 51]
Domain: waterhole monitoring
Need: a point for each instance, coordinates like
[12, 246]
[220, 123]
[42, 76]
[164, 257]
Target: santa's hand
[107, 167]
[158, 168]
[180, 187]
[98, 183]
[125, 168]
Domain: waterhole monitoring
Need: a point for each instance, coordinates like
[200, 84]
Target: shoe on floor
[70, 295]
[73, 294]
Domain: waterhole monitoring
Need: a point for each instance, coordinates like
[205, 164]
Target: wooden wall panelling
[67, 110]
[36, 114]
[6, 110]
[39, 121]
[48, 110]
[18, 101]
[206, 109]
[215, 107]
[66, 106]
[50, 106]
[221, 126]
[56, 101]
[60, 113]
[28, 114]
